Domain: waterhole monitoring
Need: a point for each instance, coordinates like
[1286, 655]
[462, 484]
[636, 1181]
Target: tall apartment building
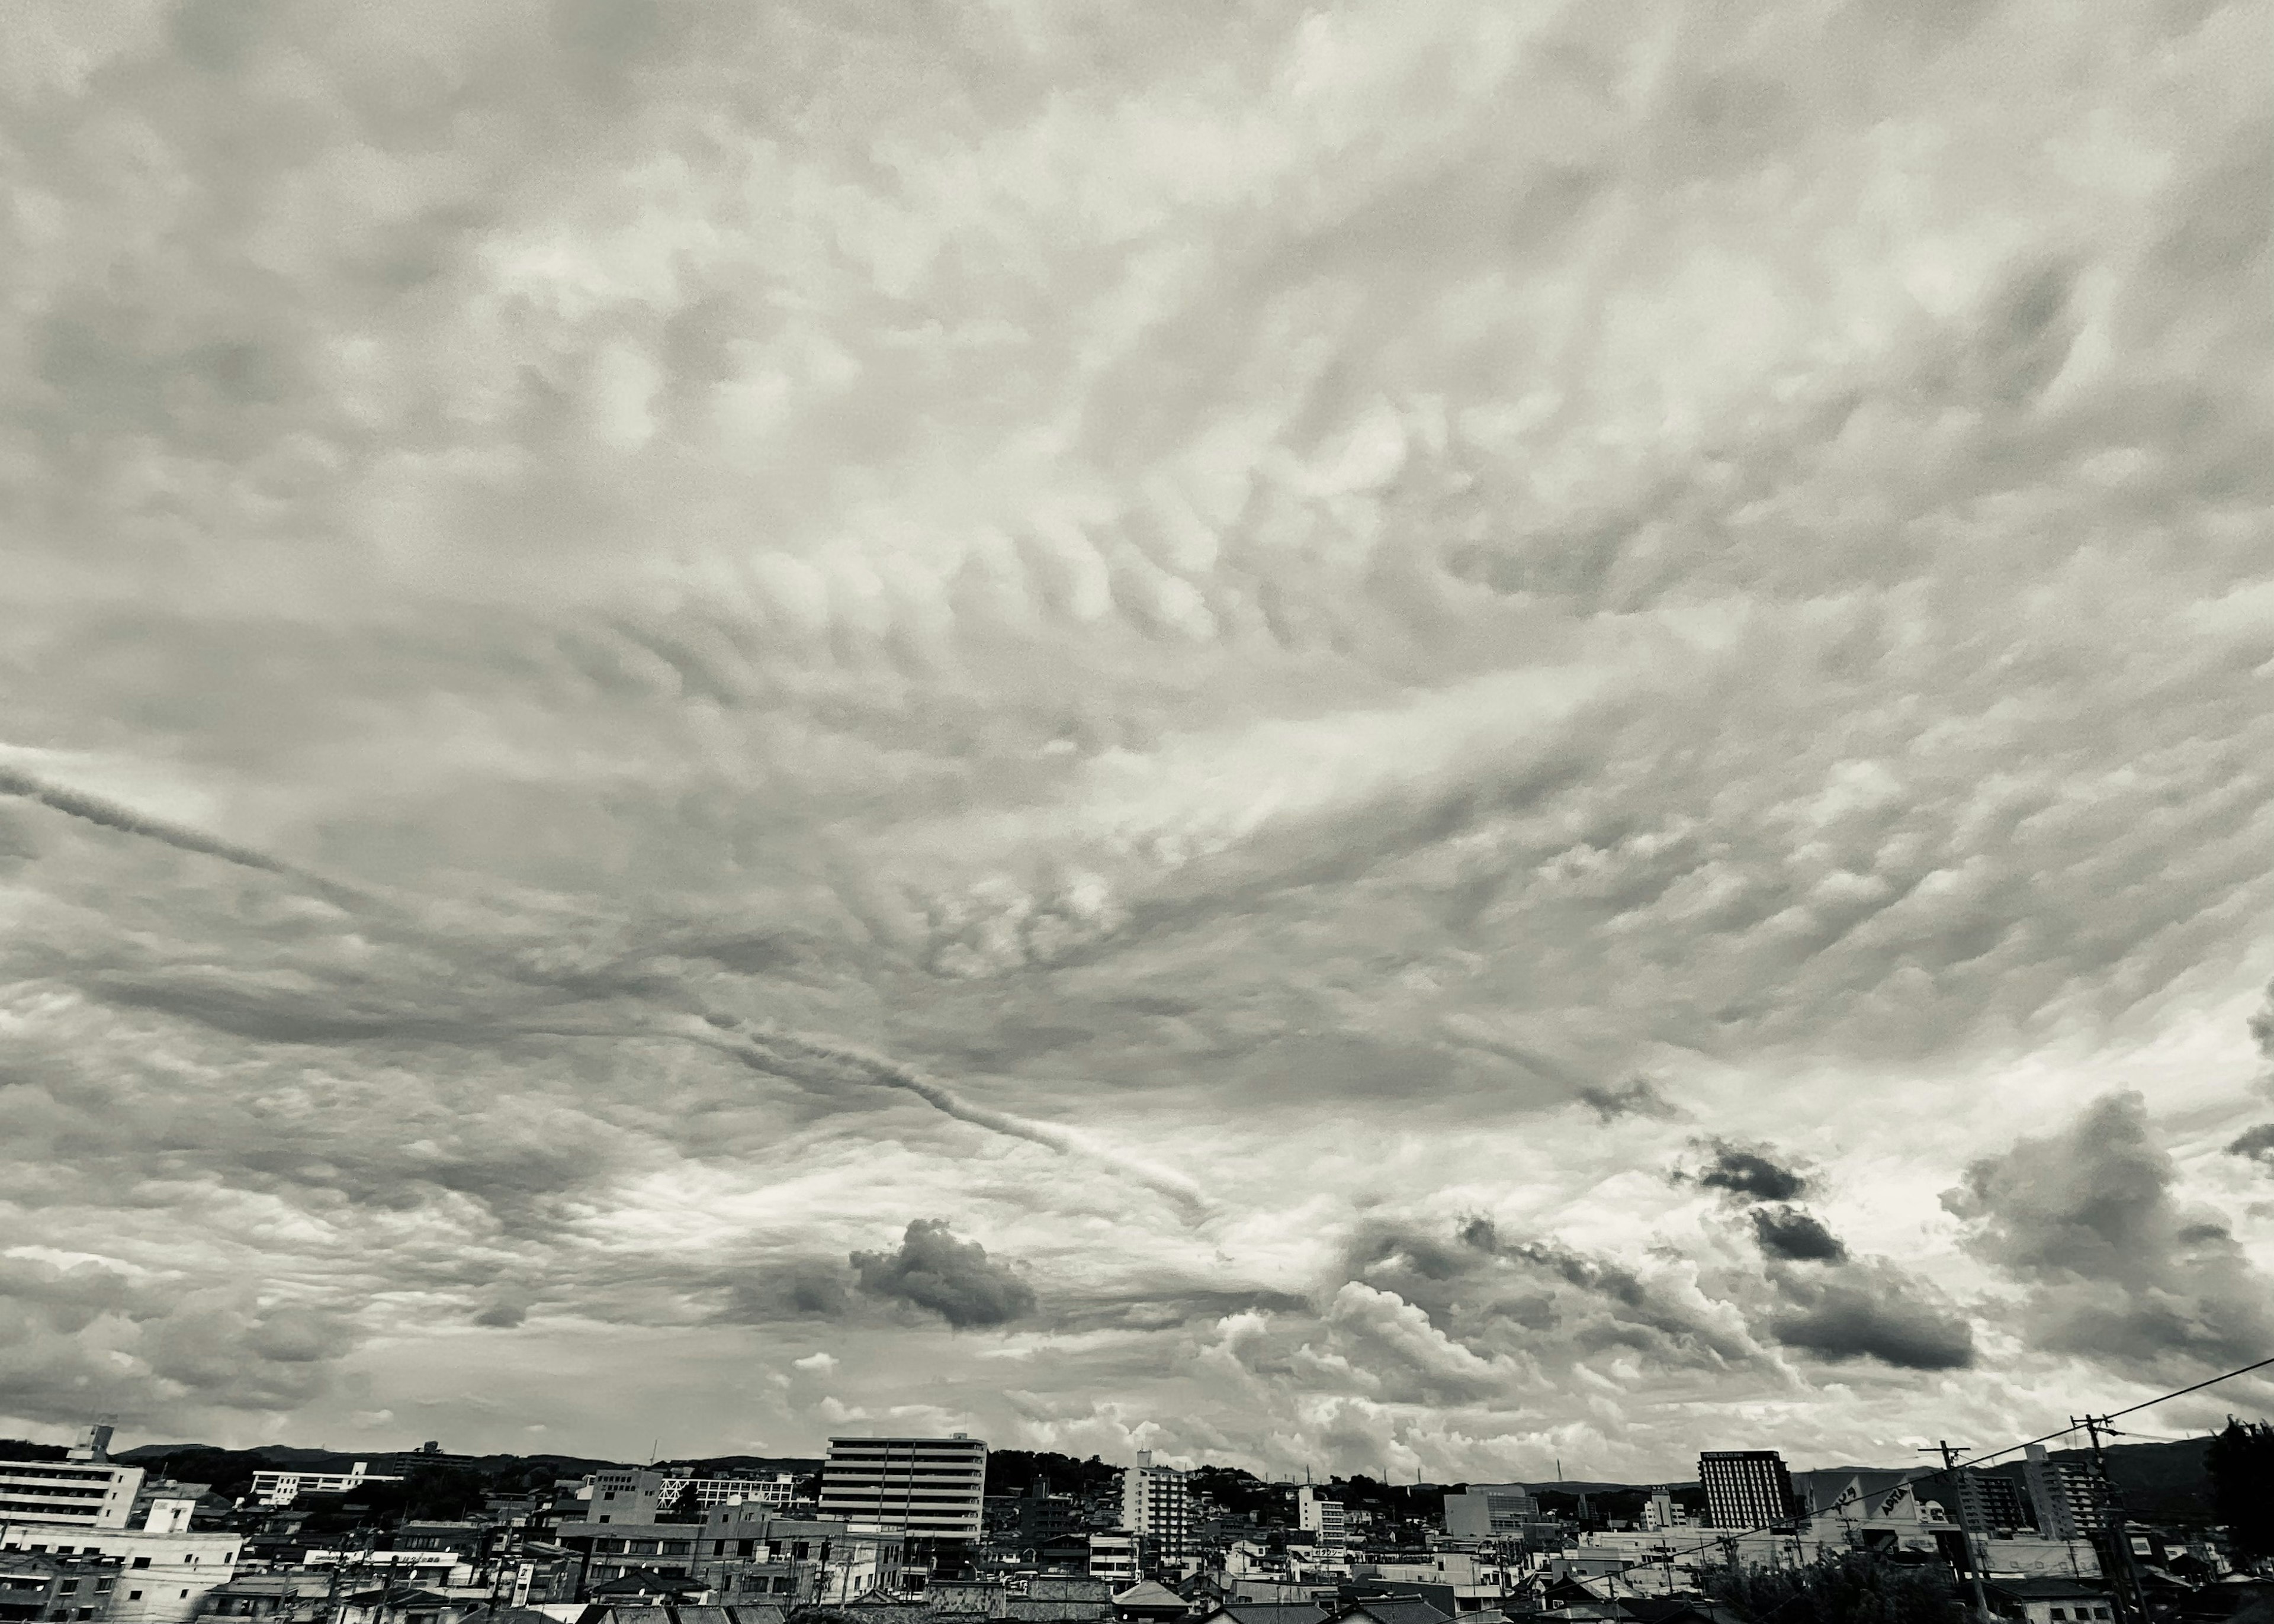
[1490, 1511]
[1987, 1502]
[924, 1488]
[1156, 1504]
[87, 1490]
[1746, 1488]
[2070, 1500]
[1317, 1515]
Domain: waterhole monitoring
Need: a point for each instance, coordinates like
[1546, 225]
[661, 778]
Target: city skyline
[1406, 740]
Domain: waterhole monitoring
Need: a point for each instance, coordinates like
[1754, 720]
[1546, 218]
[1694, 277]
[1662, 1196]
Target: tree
[2240, 1461]
[1850, 1588]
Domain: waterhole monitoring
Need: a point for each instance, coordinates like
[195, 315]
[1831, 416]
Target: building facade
[278, 1489]
[1315, 1514]
[2067, 1496]
[925, 1488]
[1156, 1504]
[1746, 1488]
[1490, 1511]
[86, 1490]
[1117, 1556]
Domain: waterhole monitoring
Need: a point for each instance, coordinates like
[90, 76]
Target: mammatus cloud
[954, 1279]
[2115, 1265]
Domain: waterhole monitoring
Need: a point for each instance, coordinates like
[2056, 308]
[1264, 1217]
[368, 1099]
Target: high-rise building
[1156, 1504]
[1489, 1511]
[1746, 1488]
[926, 1488]
[1317, 1515]
[1987, 1502]
[2070, 1500]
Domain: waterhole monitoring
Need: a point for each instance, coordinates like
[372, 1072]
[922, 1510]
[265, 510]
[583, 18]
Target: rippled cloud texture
[1391, 737]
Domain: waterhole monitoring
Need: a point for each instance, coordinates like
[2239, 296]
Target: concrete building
[42, 1586]
[2048, 1601]
[1663, 1511]
[634, 1495]
[167, 1568]
[1489, 1511]
[1746, 1488]
[926, 1488]
[2067, 1496]
[86, 1490]
[282, 1488]
[1118, 1556]
[1315, 1514]
[1156, 1504]
[1990, 1503]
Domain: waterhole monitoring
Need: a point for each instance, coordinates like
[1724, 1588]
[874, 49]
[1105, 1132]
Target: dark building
[1988, 1503]
[35, 1585]
[1746, 1488]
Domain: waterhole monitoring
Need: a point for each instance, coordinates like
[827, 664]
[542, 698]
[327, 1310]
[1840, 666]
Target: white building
[1317, 1515]
[1116, 1556]
[1156, 1504]
[282, 1488]
[925, 1488]
[166, 1568]
[86, 1490]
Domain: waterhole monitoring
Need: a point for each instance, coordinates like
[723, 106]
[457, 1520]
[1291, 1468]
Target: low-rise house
[1149, 1601]
[406, 1603]
[1391, 1609]
[289, 1597]
[2049, 1601]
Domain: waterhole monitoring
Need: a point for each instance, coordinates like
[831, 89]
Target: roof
[2036, 1589]
[1670, 1609]
[1398, 1610]
[1150, 1595]
[1270, 1612]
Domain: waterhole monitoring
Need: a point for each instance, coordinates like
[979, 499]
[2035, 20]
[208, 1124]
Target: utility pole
[1950, 1452]
[2123, 1582]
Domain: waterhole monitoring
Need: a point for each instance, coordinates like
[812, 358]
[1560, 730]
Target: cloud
[2116, 1267]
[1789, 1233]
[1638, 1096]
[1874, 1312]
[1751, 1174]
[954, 1279]
[2256, 1143]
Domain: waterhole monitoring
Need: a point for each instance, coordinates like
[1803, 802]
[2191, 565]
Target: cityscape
[933, 1529]
[1137, 812]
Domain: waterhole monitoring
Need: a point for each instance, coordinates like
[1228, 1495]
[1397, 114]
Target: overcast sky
[1410, 737]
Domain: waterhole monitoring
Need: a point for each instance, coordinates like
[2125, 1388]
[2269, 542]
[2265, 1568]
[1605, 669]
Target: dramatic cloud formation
[954, 1279]
[2117, 1267]
[1432, 706]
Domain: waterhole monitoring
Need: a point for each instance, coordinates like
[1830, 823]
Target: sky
[1472, 741]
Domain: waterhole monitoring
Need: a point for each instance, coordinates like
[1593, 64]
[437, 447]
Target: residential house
[2049, 1601]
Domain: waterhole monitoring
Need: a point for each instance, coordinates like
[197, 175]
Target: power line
[1992, 1454]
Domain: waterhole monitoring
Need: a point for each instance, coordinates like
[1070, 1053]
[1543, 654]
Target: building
[282, 1488]
[1746, 1488]
[1987, 1502]
[1489, 1511]
[42, 1586]
[2068, 1497]
[85, 1490]
[926, 1488]
[2048, 1601]
[1118, 1556]
[1315, 1514]
[1156, 1504]
[1663, 1511]
[167, 1568]
[634, 1495]
[744, 1552]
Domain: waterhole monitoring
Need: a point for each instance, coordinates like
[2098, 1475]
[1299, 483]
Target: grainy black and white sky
[1384, 736]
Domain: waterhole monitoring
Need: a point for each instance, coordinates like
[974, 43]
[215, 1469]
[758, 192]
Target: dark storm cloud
[1789, 1233]
[2118, 1268]
[1874, 1312]
[954, 1279]
[797, 1288]
[2256, 1143]
[1752, 1174]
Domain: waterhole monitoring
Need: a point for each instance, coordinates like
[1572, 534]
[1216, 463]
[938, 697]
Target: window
[141, 1561]
[2059, 1613]
[134, 1596]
